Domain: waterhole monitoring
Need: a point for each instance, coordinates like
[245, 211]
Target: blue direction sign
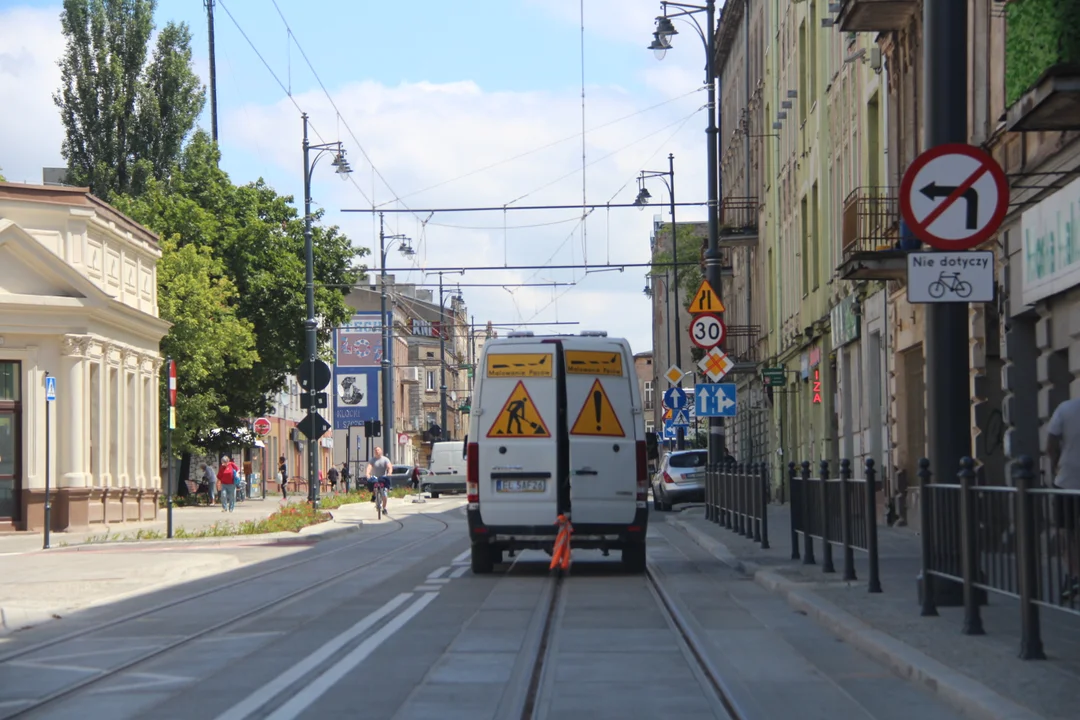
[714, 399]
[675, 398]
[50, 387]
[670, 433]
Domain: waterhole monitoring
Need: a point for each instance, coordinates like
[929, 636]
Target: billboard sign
[358, 353]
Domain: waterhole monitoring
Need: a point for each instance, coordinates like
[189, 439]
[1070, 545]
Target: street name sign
[944, 277]
[773, 377]
[954, 196]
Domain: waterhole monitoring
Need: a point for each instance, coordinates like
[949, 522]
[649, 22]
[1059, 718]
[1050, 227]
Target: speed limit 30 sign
[707, 330]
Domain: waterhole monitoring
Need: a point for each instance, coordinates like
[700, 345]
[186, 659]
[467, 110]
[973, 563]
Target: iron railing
[741, 343]
[739, 217]
[871, 219]
[737, 497]
[1020, 541]
[839, 511]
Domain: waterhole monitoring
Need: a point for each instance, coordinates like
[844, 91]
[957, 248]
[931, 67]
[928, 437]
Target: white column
[153, 454]
[138, 477]
[71, 411]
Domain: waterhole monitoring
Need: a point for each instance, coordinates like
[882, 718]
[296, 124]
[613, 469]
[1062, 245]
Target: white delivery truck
[556, 428]
[447, 469]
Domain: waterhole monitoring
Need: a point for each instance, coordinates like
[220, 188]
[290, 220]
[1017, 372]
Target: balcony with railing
[876, 15]
[741, 344]
[870, 236]
[1042, 65]
[739, 220]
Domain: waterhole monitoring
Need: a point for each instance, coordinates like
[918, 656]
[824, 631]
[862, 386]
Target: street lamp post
[643, 199]
[310, 324]
[442, 354]
[661, 43]
[387, 336]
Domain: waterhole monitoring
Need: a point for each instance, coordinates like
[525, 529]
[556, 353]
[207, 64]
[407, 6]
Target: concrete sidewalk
[42, 585]
[962, 669]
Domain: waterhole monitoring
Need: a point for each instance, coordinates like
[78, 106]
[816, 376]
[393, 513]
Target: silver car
[680, 479]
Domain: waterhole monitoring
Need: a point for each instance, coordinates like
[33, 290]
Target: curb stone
[963, 693]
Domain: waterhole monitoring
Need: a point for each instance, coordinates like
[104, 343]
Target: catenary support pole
[948, 396]
[311, 343]
[712, 252]
[680, 431]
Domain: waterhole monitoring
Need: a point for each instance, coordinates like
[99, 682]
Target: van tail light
[472, 478]
[667, 478]
[642, 471]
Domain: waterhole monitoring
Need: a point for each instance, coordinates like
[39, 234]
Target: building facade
[78, 302]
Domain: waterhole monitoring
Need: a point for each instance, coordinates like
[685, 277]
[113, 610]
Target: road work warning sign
[529, 366]
[597, 416]
[519, 417]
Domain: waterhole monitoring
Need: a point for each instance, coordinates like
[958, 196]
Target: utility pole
[945, 119]
[387, 387]
[680, 431]
[209, 4]
[442, 361]
[310, 325]
[712, 252]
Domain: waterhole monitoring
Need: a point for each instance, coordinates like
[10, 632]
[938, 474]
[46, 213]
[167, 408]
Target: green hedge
[1040, 34]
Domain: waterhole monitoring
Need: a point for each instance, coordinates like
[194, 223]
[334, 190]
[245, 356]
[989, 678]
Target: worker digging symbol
[519, 417]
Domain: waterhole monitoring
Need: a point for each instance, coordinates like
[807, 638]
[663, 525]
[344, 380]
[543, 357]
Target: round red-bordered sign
[261, 427]
[954, 196]
[707, 330]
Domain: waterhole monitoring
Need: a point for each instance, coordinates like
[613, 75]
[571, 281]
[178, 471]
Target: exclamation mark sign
[597, 398]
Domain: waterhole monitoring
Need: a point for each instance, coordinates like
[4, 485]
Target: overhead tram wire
[501, 208]
[507, 285]
[490, 268]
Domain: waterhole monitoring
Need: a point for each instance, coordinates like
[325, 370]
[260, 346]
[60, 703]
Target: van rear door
[601, 392]
[516, 435]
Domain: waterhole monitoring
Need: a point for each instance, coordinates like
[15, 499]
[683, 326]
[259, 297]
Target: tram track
[247, 614]
[709, 677]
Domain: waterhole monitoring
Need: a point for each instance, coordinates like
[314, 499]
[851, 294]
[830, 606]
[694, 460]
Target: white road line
[437, 573]
[148, 681]
[462, 557]
[437, 581]
[426, 588]
[302, 700]
[267, 692]
[459, 572]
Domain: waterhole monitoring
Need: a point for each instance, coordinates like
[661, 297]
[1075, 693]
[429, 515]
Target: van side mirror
[652, 448]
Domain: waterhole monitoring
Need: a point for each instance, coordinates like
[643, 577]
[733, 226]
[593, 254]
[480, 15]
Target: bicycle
[378, 491]
[951, 282]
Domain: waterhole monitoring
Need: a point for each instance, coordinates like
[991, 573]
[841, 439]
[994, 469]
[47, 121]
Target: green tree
[124, 119]
[689, 276]
[206, 339]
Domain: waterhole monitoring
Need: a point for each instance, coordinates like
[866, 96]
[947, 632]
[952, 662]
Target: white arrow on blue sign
[680, 417]
[670, 433]
[50, 387]
[674, 398]
[714, 399]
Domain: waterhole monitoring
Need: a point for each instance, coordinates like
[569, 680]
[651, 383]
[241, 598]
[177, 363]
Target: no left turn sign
[954, 196]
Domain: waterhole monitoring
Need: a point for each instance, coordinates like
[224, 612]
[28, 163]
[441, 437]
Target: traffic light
[367, 428]
[376, 428]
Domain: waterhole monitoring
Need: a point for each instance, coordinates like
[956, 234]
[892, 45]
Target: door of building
[10, 443]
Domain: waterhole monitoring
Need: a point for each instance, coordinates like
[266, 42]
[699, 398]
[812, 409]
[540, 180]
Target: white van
[556, 428]
[447, 467]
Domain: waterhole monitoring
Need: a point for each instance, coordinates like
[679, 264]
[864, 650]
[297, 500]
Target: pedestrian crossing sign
[706, 300]
[597, 416]
[519, 417]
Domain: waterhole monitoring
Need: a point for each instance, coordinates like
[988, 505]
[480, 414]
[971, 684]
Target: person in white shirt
[1063, 447]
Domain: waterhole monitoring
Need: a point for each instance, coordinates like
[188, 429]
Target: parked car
[680, 478]
[447, 469]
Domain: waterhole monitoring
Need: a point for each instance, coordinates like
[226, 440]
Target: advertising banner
[358, 353]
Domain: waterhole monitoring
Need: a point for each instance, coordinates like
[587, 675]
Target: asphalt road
[389, 623]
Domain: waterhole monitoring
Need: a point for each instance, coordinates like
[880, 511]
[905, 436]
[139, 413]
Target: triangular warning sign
[597, 417]
[706, 300]
[519, 417]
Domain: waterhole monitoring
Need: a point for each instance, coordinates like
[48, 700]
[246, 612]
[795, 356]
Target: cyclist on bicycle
[378, 470]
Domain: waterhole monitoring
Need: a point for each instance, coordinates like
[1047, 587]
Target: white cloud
[424, 134]
[30, 45]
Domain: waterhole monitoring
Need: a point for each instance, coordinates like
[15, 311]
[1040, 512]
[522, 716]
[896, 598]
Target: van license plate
[516, 486]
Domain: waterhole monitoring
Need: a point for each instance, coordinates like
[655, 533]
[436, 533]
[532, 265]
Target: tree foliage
[689, 276]
[124, 119]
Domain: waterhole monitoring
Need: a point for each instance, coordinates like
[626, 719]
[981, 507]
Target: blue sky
[430, 94]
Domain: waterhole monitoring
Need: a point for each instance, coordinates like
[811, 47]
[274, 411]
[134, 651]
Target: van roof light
[594, 333]
[520, 333]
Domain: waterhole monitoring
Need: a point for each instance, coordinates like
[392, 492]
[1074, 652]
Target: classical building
[78, 302]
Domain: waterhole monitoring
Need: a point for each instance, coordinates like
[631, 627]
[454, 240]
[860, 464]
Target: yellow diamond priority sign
[674, 374]
[716, 364]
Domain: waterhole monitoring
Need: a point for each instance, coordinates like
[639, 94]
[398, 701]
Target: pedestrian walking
[1063, 446]
[226, 476]
[345, 477]
[283, 477]
[210, 481]
[332, 476]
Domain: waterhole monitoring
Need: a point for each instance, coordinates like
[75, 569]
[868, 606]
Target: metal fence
[737, 498]
[1021, 541]
[838, 511]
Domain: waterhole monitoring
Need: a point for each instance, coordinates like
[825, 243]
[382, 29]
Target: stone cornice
[76, 345]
